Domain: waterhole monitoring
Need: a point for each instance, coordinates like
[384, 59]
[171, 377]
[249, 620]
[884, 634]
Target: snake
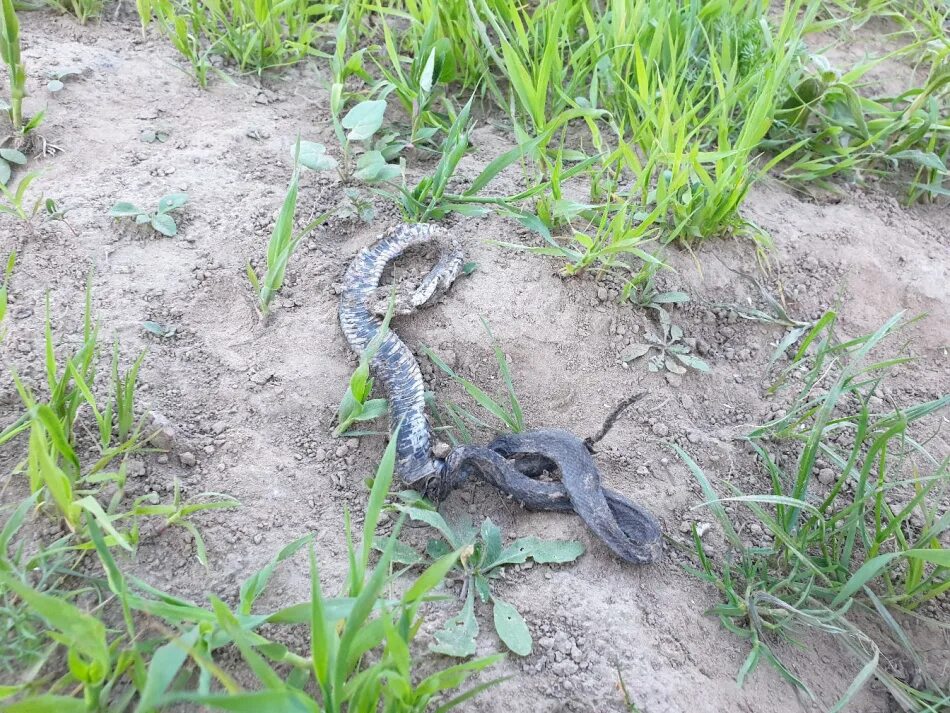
[512, 462]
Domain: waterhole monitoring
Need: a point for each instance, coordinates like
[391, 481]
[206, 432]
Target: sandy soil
[251, 405]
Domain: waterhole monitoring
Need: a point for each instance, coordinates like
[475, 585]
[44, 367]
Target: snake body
[512, 462]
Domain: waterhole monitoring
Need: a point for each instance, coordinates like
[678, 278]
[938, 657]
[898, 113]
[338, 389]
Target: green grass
[82, 10]
[282, 243]
[80, 634]
[665, 114]
[505, 412]
[680, 112]
[16, 201]
[253, 36]
[867, 545]
[358, 656]
[684, 106]
[10, 52]
[5, 291]
[840, 131]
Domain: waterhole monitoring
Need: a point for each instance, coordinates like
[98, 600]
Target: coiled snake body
[511, 462]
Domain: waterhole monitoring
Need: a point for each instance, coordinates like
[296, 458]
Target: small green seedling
[82, 10]
[510, 415]
[362, 123]
[8, 159]
[160, 220]
[426, 200]
[433, 65]
[656, 300]
[357, 404]
[482, 562]
[181, 30]
[15, 197]
[179, 510]
[161, 331]
[359, 206]
[56, 79]
[672, 352]
[57, 212]
[315, 157]
[4, 291]
[154, 136]
[282, 243]
[357, 129]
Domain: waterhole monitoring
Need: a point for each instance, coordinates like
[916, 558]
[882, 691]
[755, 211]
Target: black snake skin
[513, 462]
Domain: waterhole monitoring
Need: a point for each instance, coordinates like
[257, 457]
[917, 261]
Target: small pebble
[135, 468]
[188, 459]
[660, 429]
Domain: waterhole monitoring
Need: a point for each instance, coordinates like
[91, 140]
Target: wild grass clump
[82, 10]
[676, 99]
[253, 36]
[832, 126]
[505, 413]
[664, 113]
[359, 641]
[867, 545]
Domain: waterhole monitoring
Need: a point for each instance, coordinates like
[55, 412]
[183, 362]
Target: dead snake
[512, 462]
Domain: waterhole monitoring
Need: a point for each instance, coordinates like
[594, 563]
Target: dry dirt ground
[251, 405]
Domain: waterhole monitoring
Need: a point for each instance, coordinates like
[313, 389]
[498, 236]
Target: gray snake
[512, 462]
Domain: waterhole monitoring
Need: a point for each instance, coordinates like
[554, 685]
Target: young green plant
[283, 242]
[672, 350]
[483, 562]
[8, 159]
[367, 152]
[254, 36]
[509, 415]
[15, 198]
[57, 79]
[10, 53]
[160, 220]
[82, 10]
[843, 546]
[417, 88]
[357, 404]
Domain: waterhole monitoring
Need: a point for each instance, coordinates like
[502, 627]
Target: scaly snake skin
[511, 462]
